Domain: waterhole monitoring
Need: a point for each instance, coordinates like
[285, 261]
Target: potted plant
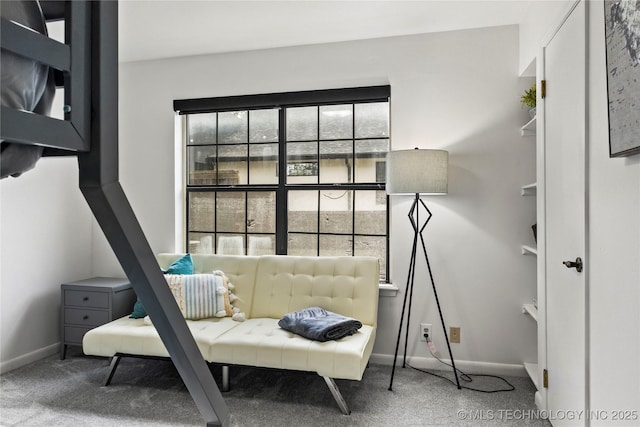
[529, 99]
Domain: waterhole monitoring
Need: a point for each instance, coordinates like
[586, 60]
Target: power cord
[463, 376]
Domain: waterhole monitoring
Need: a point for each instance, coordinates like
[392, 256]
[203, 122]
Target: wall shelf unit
[529, 190]
[531, 310]
[529, 128]
[536, 311]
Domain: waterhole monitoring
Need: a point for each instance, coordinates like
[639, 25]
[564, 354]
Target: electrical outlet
[425, 328]
[454, 334]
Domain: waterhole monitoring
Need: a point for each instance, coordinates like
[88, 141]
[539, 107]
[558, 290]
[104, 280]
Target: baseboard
[467, 366]
[31, 357]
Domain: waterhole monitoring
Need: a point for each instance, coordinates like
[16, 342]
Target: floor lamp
[417, 172]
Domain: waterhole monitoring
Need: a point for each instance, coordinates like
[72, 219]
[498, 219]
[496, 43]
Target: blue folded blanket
[319, 324]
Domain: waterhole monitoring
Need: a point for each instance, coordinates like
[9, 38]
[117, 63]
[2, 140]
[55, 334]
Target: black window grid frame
[283, 101]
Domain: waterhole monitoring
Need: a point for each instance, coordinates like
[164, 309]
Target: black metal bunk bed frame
[88, 63]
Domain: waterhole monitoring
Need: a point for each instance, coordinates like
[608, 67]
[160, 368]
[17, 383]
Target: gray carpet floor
[144, 392]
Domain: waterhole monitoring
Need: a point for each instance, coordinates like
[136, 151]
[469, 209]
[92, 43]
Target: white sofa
[267, 288]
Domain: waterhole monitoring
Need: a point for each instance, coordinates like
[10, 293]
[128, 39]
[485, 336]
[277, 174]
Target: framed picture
[622, 39]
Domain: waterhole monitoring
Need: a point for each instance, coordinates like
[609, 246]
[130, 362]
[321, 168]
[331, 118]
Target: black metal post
[414, 252]
[417, 231]
[408, 290]
[99, 184]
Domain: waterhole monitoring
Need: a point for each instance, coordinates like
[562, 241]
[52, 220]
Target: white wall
[45, 235]
[614, 241]
[457, 91]
[542, 18]
[46, 240]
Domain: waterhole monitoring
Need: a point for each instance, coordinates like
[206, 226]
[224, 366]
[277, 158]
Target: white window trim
[388, 290]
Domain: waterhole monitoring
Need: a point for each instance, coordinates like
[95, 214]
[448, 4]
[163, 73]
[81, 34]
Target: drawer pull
[85, 317]
[85, 299]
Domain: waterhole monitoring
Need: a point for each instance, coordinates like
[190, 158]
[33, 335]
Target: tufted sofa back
[344, 285]
[274, 285]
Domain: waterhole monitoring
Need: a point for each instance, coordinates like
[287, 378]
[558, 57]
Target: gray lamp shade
[417, 171]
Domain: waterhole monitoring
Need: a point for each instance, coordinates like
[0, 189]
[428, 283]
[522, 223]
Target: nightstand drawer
[73, 335]
[86, 299]
[89, 303]
[85, 317]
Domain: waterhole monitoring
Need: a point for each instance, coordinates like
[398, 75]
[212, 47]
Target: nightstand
[90, 303]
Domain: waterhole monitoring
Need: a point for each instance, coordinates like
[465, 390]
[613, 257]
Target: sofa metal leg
[337, 396]
[112, 369]
[225, 378]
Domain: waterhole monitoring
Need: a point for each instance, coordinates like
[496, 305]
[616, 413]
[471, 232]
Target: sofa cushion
[261, 342]
[139, 311]
[240, 269]
[200, 295]
[133, 336]
[344, 285]
[181, 265]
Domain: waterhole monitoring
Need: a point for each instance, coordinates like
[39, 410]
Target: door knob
[577, 264]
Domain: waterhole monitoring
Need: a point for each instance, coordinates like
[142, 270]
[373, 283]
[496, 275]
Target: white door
[564, 142]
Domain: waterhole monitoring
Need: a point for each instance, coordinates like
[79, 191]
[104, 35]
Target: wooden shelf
[529, 190]
[532, 371]
[529, 128]
[529, 250]
[531, 310]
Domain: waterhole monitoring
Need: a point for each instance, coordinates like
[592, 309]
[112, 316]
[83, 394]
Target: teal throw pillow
[138, 310]
[182, 265]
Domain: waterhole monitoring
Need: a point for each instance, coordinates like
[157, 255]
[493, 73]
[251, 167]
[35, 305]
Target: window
[291, 173]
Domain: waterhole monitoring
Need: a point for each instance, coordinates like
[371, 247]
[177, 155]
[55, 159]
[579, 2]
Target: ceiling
[163, 29]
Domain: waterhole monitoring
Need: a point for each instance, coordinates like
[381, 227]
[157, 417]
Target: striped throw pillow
[200, 296]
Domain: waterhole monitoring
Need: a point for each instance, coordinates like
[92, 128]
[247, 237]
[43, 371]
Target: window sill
[388, 290]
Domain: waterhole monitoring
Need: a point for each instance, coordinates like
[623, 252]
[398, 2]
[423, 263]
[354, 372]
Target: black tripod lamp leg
[408, 291]
[444, 328]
